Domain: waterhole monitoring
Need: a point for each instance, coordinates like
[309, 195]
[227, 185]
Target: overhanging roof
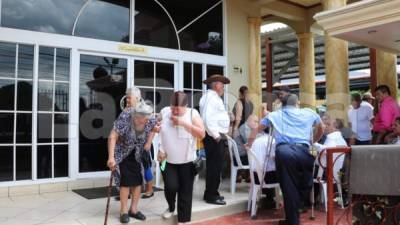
[373, 23]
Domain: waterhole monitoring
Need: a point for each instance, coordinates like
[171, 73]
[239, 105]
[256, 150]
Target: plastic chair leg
[233, 179]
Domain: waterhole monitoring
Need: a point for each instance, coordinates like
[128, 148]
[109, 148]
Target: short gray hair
[134, 91]
[290, 100]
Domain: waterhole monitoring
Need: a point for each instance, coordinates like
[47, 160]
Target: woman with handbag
[180, 127]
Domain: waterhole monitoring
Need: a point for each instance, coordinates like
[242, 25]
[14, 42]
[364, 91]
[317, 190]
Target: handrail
[329, 178]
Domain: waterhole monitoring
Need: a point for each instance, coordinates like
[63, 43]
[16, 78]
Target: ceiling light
[372, 31]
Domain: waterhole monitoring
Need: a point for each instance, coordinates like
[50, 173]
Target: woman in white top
[180, 127]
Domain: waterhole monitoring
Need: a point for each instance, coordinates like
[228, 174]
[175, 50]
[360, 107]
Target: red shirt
[388, 111]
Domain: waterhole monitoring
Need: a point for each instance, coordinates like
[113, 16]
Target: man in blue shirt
[294, 131]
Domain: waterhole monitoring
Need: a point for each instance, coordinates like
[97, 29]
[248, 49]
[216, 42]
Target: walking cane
[266, 160]
[108, 199]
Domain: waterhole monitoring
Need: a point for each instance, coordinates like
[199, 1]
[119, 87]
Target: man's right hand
[161, 156]
[111, 164]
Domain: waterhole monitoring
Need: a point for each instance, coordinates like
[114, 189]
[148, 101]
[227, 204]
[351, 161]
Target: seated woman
[241, 139]
[396, 132]
[125, 154]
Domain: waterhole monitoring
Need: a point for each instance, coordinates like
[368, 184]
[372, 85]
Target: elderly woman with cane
[125, 152]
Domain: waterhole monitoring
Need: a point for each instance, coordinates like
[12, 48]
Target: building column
[268, 73]
[336, 70]
[307, 70]
[386, 70]
[255, 88]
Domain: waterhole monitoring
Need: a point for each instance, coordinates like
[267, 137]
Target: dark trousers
[179, 180]
[294, 167]
[214, 158]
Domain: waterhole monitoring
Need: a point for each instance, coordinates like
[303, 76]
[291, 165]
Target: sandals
[145, 195]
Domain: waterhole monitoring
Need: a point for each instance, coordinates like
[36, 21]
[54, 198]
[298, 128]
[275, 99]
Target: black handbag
[198, 165]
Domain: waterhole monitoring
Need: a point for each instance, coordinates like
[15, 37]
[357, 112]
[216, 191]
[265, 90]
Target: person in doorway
[242, 110]
[181, 127]
[125, 153]
[216, 122]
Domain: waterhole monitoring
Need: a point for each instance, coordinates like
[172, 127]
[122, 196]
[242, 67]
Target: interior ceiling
[306, 3]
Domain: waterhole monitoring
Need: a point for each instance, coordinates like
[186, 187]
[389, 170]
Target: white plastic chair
[319, 180]
[156, 163]
[256, 188]
[234, 153]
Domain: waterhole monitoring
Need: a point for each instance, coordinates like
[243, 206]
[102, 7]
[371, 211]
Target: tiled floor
[271, 217]
[68, 208]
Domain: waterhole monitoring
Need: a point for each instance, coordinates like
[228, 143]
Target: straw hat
[217, 78]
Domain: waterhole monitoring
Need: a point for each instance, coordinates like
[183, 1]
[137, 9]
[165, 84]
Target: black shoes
[138, 215]
[217, 201]
[124, 218]
[144, 196]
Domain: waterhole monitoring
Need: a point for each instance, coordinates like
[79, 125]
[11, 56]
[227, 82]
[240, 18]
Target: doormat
[101, 192]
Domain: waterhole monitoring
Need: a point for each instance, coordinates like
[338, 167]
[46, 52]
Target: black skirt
[131, 171]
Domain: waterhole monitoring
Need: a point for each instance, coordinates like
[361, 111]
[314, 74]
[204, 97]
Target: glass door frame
[74, 111]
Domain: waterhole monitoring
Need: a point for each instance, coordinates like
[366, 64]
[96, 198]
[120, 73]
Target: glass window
[211, 70]
[46, 63]
[62, 64]
[60, 127]
[44, 161]
[45, 96]
[165, 75]
[206, 34]
[51, 16]
[61, 97]
[7, 59]
[152, 25]
[25, 61]
[23, 163]
[44, 127]
[60, 160]
[6, 163]
[7, 94]
[24, 128]
[102, 85]
[193, 83]
[108, 20]
[144, 73]
[163, 98]
[6, 128]
[148, 95]
[24, 95]
[184, 13]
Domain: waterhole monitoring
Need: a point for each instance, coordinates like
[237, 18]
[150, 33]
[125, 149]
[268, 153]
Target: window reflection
[44, 127]
[23, 163]
[60, 160]
[50, 16]
[206, 34]
[6, 128]
[61, 96]
[25, 61]
[45, 96]
[44, 161]
[7, 94]
[108, 20]
[6, 163]
[24, 95]
[152, 25]
[7, 59]
[165, 75]
[46, 63]
[62, 64]
[102, 85]
[24, 128]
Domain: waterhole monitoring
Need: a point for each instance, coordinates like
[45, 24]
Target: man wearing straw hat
[293, 133]
[216, 122]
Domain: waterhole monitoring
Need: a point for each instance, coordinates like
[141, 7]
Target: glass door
[102, 84]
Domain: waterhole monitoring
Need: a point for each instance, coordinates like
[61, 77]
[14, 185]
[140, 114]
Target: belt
[295, 144]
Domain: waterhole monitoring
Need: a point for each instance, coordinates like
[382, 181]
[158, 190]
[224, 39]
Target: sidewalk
[69, 208]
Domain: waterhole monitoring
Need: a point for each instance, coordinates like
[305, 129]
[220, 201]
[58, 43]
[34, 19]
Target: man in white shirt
[216, 122]
[360, 119]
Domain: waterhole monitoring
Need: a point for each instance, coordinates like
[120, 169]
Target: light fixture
[397, 41]
[372, 31]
